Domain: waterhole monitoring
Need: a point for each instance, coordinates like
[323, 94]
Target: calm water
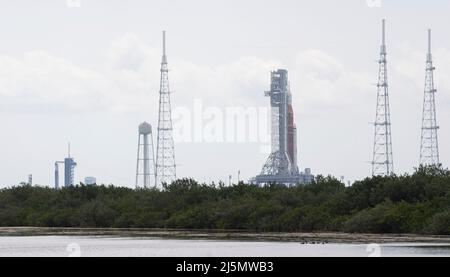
[150, 247]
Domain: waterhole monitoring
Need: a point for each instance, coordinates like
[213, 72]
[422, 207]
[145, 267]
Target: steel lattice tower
[382, 163]
[165, 151]
[429, 148]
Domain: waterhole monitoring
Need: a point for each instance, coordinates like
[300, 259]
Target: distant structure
[382, 162]
[30, 179]
[429, 147]
[281, 166]
[57, 163]
[90, 181]
[145, 167]
[69, 171]
[165, 151]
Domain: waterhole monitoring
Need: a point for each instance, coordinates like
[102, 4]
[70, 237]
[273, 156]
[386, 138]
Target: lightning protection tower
[429, 148]
[145, 167]
[382, 163]
[165, 151]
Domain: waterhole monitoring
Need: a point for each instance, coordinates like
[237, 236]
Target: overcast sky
[90, 75]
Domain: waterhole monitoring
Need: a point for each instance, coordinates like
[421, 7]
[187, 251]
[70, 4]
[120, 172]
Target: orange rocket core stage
[291, 136]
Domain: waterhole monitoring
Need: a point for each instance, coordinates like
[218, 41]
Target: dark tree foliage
[417, 203]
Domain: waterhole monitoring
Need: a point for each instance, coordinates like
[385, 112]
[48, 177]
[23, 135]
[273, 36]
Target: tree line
[410, 203]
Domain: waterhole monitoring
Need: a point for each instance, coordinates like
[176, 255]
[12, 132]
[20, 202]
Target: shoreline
[313, 238]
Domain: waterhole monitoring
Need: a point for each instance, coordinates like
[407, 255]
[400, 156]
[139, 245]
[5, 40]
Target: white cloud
[234, 83]
[442, 63]
[40, 83]
[129, 81]
[333, 102]
[409, 64]
[130, 53]
[323, 83]
[409, 67]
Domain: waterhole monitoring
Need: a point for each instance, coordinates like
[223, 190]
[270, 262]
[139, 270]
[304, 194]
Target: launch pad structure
[69, 171]
[281, 166]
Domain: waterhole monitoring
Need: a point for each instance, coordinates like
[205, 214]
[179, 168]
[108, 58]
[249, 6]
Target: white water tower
[145, 168]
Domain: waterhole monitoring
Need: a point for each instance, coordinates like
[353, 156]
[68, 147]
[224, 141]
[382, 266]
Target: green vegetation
[417, 203]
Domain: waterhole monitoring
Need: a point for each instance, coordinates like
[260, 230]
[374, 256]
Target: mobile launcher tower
[281, 166]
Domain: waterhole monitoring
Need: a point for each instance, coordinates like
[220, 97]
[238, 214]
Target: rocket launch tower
[281, 166]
